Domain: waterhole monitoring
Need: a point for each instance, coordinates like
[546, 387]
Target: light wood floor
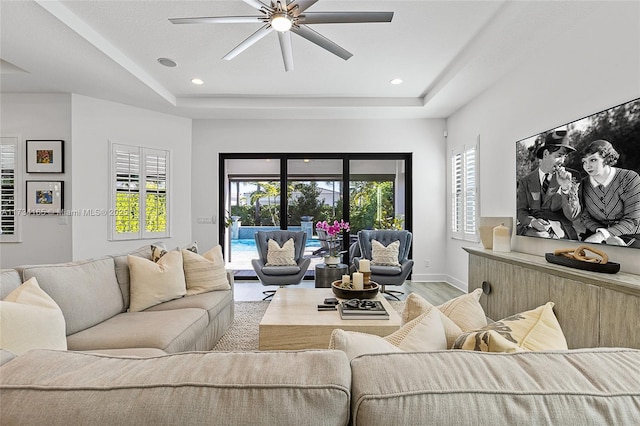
[435, 292]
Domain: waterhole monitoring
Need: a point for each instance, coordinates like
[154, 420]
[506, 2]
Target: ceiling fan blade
[299, 6]
[287, 50]
[253, 38]
[219, 20]
[257, 4]
[322, 41]
[344, 17]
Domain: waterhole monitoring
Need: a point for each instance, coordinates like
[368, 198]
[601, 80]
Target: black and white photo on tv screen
[580, 181]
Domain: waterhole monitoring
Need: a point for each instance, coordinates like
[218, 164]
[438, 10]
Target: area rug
[243, 334]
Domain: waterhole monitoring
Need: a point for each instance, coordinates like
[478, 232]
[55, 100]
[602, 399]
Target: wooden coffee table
[292, 320]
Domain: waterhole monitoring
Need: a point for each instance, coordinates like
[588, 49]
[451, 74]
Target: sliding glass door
[294, 191]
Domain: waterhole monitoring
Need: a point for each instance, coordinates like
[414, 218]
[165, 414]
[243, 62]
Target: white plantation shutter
[8, 190]
[464, 193]
[470, 191]
[155, 206]
[139, 198]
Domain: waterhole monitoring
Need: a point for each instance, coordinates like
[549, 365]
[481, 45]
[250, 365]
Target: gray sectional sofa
[152, 368]
[93, 295]
[321, 387]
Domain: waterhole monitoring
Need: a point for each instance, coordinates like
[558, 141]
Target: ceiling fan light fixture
[281, 22]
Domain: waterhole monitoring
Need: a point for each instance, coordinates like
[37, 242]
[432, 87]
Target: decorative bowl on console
[350, 293]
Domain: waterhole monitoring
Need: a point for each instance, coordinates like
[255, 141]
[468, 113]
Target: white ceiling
[447, 52]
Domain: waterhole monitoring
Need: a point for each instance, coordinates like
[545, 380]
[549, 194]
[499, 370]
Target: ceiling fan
[285, 17]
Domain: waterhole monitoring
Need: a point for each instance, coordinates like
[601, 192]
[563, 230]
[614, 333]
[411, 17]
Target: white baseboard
[430, 278]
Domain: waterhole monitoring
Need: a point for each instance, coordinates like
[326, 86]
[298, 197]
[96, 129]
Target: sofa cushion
[86, 291]
[196, 388]
[578, 387]
[205, 272]
[31, 319]
[9, 281]
[281, 256]
[155, 282]
[534, 330]
[213, 302]
[172, 331]
[122, 271]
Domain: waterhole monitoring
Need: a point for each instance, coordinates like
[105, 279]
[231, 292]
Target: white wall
[595, 65]
[38, 116]
[423, 138]
[95, 123]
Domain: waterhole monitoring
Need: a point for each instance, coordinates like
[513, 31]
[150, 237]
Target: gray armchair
[280, 275]
[384, 275]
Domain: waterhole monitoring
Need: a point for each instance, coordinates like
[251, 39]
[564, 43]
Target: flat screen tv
[580, 181]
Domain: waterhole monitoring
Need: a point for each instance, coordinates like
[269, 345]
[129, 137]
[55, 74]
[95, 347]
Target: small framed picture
[45, 156]
[45, 197]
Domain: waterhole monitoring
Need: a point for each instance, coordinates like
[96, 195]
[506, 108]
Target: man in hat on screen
[547, 198]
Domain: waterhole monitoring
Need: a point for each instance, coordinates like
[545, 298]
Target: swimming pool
[249, 245]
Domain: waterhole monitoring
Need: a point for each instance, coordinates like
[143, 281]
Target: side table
[326, 274]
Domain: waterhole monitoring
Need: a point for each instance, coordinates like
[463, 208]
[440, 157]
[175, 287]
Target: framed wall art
[45, 156]
[45, 197]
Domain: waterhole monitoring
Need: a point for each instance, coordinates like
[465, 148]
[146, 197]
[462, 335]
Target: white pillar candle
[346, 279]
[358, 281]
[365, 265]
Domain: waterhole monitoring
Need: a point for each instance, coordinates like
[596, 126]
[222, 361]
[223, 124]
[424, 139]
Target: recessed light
[197, 81]
[167, 62]
[396, 81]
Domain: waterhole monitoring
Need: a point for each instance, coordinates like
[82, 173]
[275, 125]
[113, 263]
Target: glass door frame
[284, 157]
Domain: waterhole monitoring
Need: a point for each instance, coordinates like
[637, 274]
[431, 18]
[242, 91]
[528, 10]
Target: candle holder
[366, 278]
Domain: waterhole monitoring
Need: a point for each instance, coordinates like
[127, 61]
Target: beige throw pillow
[424, 333]
[157, 251]
[416, 305]
[31, 319]
[534, 330]
[385, 256]
[281, 256]
[466, 311]
[153, 283]
[204, 273]
[354, 343]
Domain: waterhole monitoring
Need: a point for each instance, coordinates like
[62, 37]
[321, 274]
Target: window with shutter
[464, 193]
[9, 190]
[140, 195]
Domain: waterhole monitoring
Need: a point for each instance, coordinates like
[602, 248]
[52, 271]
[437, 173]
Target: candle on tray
[346, 279]
[365, 265]
[358, 283]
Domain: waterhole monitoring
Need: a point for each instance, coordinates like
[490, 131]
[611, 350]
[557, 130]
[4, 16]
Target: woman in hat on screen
[610, 198]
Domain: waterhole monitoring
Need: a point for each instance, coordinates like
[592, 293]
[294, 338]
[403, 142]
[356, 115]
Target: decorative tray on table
[350, 293]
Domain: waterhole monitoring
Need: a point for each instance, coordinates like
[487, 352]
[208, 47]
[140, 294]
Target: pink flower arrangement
[333, 230]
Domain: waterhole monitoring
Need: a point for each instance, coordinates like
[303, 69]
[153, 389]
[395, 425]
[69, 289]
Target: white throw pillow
[385, 256]
[281, 256]
[153, 283]
[31, 319]
[354, 343]
[422, 334]
[425, 333]
[204, 273]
